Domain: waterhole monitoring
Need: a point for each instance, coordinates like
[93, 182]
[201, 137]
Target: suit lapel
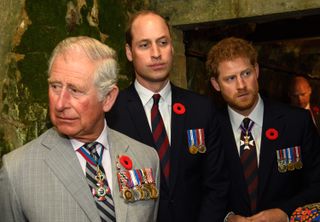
[62, 160]
[177, 131]
[117, 147]
[138, 116]
[272, 119]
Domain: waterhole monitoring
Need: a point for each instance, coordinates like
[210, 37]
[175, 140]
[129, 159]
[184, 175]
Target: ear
[215, 84]
[128, 52]
[110, 98]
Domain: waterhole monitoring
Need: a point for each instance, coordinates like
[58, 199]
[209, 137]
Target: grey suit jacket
[43, 181]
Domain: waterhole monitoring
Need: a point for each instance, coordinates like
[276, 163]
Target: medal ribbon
[86, 155]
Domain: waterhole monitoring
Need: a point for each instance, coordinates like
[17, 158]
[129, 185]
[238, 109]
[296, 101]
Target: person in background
[299, 93]
[271, 149]
[179, 124]
[80, 169]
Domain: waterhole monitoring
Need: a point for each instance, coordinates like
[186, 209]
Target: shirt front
[165, 104]
[257, 117]
[106, 159]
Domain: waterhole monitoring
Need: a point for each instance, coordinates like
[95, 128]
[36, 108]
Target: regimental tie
[248, 155]
[160, 137]
[97, 181]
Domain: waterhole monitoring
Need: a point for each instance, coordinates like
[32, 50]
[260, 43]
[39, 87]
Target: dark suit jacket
[198, 186]
[286, 190]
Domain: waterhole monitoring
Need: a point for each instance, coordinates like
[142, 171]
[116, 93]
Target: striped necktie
[160, 137]
[248, 156]
[97, 181]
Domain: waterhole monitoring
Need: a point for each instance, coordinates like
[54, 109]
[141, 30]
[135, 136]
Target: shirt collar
[256, 115]
[103, 139]
[146, 94]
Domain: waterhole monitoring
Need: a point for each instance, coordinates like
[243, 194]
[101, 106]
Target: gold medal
[127, 194]
[146, 192]
[193, 149]
[291, 166]
[298, 164]
[202, 148]
[282, 167]
[154, 192]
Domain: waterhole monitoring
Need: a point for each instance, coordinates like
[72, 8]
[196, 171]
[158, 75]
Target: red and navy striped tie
[248, 155]
[160, 137]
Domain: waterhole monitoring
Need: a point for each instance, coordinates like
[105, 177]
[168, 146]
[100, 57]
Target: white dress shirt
[257, 117]
[164, 104]
[106, 159]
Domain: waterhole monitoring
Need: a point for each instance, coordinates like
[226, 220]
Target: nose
[240, 83]
[62, 100]
[155, 52]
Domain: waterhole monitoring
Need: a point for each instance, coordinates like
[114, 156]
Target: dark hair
[133, 18]
[229, 49]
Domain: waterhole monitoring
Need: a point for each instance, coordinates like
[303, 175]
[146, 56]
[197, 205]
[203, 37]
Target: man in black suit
[300, 93]
[271, 149]
[193, 184]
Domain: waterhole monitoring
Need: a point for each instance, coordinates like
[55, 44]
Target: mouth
[157, 66]
[64, 119]
[243, 94]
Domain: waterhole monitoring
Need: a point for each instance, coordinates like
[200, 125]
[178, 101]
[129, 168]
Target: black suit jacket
[198, 184]
[286, 190]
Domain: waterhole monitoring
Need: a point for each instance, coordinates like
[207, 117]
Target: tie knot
[246, 122]
[91, 147]
[156, 98]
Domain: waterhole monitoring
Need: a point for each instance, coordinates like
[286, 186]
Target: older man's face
[75, 109]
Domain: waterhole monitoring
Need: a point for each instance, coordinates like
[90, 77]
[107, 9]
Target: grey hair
[106, 73]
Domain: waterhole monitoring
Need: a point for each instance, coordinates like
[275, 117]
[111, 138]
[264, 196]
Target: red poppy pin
[272, 134]
[179, 108]
[126, 162]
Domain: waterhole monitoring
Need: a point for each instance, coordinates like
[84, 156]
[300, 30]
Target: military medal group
[196, 141]
[135, 184]
[289, 159]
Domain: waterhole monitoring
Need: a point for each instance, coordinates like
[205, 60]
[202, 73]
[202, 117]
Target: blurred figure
[299, 93]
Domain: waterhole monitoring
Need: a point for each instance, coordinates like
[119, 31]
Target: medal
[298, 164]
[192, 141]
[290, 159]
[154, 192]
[193, 149]
[146, 192]
[202, 149]
[297, 152]
[201, 141]
[127, 195]
[282, 167]
[101, 189]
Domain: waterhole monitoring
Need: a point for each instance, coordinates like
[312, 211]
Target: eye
[143, 45]
[246, 73]
[55, 86]
[230, 78]
[75, 92]
[163, 42]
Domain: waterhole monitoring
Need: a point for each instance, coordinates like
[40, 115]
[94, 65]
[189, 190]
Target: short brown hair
[134, 16]
[229, 49]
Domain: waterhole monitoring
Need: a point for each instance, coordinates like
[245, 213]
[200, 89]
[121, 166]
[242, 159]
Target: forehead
[72, 65]
[149, 26]
[236, 65]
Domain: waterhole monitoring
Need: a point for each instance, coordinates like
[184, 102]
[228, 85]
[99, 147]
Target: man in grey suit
[80, 170]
